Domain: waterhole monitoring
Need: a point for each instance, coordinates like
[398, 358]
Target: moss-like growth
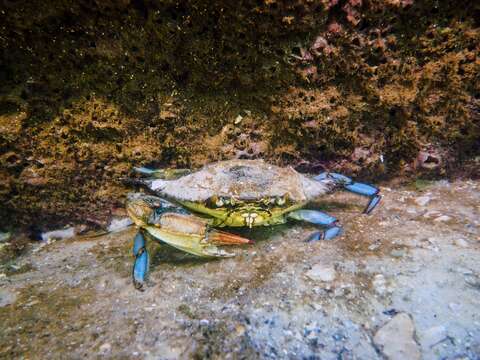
[89, 88]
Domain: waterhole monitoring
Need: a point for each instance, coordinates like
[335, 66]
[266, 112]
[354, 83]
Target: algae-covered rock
[89, 88]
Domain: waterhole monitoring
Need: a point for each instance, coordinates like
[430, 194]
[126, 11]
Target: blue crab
[185, 212]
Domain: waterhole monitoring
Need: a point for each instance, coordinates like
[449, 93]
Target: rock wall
[89, 88]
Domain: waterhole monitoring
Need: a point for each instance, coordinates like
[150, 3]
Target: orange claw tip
[223, 238]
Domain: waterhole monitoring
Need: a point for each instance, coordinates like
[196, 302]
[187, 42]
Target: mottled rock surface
[89, 88]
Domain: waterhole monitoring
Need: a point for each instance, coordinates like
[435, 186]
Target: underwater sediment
[90, 88]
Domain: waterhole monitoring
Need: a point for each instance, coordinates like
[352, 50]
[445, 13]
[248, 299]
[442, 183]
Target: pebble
[321, 272]
[119, 224]
[204, 322]
[461, 243]
[411, 210]
[58, 234]
[380, 284]
[7, 297]
[431, 213]
[433, 336]
[395, 339]
[398, 253]
[105, 348]
[443, 218]
[422, 200]
[455, 307]
[473, 281]
[238, 119]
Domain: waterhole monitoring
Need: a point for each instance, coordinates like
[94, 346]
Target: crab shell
[245, 180]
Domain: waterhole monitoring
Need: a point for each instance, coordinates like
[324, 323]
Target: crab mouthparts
[249, 219]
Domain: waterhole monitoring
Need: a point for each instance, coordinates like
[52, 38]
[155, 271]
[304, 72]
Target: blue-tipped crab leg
[140, 268]
[318, 218]
[358, 188]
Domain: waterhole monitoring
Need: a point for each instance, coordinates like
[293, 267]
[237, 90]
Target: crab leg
[318, 218]
[140, 267]
[201, 244]
[356, 187]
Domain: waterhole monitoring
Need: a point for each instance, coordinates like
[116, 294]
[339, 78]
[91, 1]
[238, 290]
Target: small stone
[240, 330]
[411, 210]
[473, 281]
[321, 272]
[398, 253]
[433, 336]
[204, 322]
[431, 213]
[119, 224]
[396, 339]
[461, 243]
[32, 303]
[59, 234]
[454, 306]
[105, 348]
[442, 218]
[238, 119]
[380, 284]
[7, 297]
[422, 200]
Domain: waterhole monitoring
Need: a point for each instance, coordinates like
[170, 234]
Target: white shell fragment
[119, 224]
[58, 234]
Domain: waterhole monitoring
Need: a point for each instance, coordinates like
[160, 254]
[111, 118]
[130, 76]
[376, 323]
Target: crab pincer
[347, 183]
[164, 222]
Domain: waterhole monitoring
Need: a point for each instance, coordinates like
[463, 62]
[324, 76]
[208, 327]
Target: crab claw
[192, 234]
[174, 226]
[200, 243]
[358, 188]
[224, 238]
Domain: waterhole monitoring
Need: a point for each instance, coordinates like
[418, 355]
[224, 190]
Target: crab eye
[280, 201]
